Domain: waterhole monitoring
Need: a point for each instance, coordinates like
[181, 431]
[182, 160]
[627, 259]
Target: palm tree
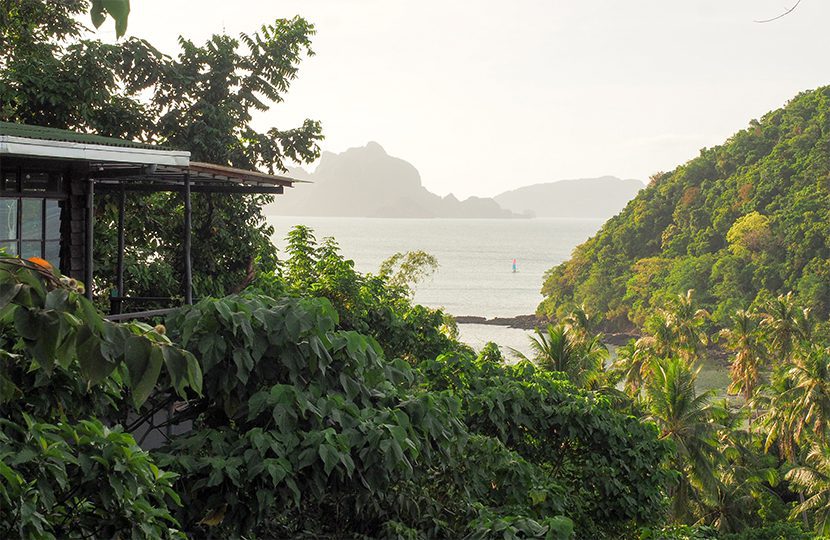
[685, 418]
[781, 318]
[686, 322]
[558, 349]
[742, 474]
[775, 400]
[661, 338]
[583, 323]
[633, 364]
[813, 479]
[742, 339]
[809, 397]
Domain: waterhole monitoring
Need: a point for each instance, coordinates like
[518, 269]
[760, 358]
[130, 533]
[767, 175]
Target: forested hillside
[742, 222]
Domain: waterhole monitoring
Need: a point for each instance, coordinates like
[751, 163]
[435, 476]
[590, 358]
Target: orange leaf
[43, 263]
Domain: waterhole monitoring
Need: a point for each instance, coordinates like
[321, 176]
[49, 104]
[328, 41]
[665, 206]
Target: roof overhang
[26, 147]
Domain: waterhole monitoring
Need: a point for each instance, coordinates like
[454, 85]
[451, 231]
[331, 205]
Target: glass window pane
[32, 219]
[9, 247]
[53, 220]
[31, 249]
[8, 219]
[53, 253]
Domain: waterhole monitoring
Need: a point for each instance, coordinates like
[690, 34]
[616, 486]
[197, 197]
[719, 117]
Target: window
[31, 228]
[30, 220]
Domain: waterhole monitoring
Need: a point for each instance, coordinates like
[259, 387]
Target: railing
[117, 307]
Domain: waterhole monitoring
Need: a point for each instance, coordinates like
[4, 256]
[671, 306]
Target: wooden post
[122, 202]
[188, 270]
[90, 224]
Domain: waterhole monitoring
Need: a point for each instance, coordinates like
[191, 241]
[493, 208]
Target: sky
[484, 96]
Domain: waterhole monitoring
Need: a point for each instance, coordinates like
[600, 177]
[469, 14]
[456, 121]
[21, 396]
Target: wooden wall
[73, 233]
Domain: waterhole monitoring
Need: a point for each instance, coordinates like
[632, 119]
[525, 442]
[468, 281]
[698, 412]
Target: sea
[475, 256]
[475, 273]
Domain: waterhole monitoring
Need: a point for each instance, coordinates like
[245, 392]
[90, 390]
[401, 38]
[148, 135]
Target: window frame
[19, 193]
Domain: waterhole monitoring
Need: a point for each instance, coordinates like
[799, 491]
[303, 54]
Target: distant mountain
[589, 197]
[368, 182]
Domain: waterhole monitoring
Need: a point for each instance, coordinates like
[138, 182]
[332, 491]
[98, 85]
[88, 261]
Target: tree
[63, 368]
[813, 479]
[780, 317]
[809, 397]
[684, 417]
[686, 322]
[406, 270]
[560, 349]
[202, 101]
[750, 235]
[633, 364]
[742, 339]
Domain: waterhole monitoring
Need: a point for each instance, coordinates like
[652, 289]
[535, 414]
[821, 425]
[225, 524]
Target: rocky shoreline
[522, 322]
[532, 322]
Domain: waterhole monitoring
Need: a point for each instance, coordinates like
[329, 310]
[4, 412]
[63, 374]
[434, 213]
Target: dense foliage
[274, 417]
[741, 223]
[63, 369]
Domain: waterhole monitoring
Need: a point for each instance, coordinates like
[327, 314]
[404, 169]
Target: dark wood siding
[73, 255]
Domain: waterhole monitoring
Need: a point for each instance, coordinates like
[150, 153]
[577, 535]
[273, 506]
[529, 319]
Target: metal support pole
[122, 202]
[90, 224]
[188, 270]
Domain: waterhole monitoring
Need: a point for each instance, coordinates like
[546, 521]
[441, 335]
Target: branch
[782, 15]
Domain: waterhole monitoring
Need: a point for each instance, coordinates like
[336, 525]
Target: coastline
[532, 322]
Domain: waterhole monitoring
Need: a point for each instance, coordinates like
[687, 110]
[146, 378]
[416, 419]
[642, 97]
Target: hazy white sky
[484, 96]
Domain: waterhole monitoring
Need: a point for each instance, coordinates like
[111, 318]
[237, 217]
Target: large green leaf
[177, 368]
[7, 293]
[119, 10]
[143, 365]
[94, 365]
[26, 323]
[49, 336]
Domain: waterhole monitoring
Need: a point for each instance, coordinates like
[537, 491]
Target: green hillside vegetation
[741, 223]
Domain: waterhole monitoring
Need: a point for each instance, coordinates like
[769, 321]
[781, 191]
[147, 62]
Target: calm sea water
[475, 275]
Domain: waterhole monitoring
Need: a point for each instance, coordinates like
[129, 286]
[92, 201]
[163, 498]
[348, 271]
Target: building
[49, 179]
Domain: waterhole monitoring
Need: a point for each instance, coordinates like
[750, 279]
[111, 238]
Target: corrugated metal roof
[65, 135]
[241, 175]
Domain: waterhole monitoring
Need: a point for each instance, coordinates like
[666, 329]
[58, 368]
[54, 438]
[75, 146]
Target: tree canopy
[201, 100]
[741, 223]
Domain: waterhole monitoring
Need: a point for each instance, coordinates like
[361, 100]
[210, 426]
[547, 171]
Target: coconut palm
[685, 418]
[776, 402]
[781, 319]
[661, 338]
[686, 322]
[559, 349]
[633, 364]
[741, 475]
[813, 480]
[742, 339]
[583, 323]
[809, 397]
